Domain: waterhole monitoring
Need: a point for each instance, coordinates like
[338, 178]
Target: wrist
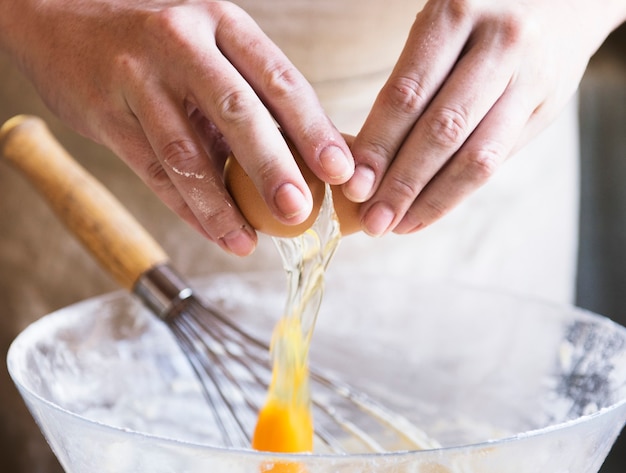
[612, 13]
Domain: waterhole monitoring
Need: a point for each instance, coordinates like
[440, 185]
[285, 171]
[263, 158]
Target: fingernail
[335, 163]
[361, 184]
[240, 242]
[291, 202]
[378, 219]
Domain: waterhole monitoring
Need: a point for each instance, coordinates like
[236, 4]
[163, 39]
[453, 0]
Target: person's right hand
[171, 87]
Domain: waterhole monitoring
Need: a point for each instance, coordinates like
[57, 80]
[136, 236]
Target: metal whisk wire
[234, 370]
[227, 393]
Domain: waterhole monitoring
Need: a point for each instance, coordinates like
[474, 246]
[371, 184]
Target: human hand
[171, 87]
[474, 83]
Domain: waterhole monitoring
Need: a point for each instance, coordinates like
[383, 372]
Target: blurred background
[601, 280]
[35, 250]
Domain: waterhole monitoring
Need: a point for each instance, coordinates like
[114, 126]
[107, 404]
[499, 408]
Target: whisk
[232, 365]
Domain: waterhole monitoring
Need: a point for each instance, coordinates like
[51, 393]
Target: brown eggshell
[253, 207]
[348, 212]
[258, 214]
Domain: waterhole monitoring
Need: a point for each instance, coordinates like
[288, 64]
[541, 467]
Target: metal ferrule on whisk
[162, 289]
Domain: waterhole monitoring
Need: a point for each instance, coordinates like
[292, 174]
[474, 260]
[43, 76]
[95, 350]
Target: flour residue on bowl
[124, 369]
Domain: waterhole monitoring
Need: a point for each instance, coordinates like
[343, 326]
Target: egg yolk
[285, 423]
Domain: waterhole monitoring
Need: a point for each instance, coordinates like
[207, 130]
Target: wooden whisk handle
[86, 207]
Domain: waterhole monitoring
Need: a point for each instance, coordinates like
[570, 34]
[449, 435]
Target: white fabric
[518, 232]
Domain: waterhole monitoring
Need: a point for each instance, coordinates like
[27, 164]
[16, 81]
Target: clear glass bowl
[504, 383]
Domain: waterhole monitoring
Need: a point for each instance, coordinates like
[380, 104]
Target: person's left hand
[475, 82]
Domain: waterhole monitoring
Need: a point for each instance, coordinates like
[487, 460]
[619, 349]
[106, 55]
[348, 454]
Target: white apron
[519, 232]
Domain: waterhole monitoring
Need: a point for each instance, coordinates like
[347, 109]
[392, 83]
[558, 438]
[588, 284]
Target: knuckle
[210, 202]
[511, 30]
[213, 215]
[157, 178]
[164, 20]
[403, 187]
[182, 155]
[282, 80]
[406, 95]
[434, 208]
[378, 150]
[227, 13]
[268, 173]
[266, 169]
[446, 127]
[234, 107]
[482, 163]
[459, 10]
[169, 24]
[514, 31]
[125, 65]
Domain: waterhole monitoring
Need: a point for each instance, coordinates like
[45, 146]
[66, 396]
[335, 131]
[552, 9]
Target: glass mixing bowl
[504, 383]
